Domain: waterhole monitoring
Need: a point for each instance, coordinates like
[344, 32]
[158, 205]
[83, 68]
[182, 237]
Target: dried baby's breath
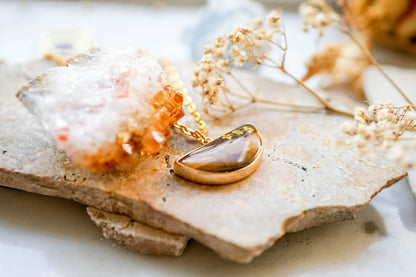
[217, 49]
[208, 77]
[318, 14]
[245, 45]
[387, 126]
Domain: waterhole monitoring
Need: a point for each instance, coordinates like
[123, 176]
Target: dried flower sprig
[319, 14]
[384, 124]
[246, 45]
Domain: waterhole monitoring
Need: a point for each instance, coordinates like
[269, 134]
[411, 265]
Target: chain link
[58, 59]
[201, 134]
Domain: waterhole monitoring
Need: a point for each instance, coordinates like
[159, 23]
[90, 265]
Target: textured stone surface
[137, 236]
[308, 176]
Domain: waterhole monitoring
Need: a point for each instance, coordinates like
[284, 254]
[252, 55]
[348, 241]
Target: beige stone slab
[137, 236]
[308, 176]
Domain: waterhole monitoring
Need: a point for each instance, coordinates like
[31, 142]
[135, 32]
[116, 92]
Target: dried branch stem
[254, 99]
[370, 56]
[295, 106]
[327, 105]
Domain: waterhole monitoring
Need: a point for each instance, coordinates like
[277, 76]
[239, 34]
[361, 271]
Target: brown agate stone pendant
[227, 159]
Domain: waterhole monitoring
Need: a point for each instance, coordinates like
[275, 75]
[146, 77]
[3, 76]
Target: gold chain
[201, 134]
[58, 59]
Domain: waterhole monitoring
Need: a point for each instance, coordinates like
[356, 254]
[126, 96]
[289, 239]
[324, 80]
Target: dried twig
[247, 45]
[320, 15]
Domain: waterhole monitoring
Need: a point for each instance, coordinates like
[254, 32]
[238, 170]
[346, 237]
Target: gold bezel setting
[207, 177]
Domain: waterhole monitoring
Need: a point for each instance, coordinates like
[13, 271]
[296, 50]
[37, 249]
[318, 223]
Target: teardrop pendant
[227, 159]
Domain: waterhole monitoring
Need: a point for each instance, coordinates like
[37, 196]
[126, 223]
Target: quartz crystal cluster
[106, 108]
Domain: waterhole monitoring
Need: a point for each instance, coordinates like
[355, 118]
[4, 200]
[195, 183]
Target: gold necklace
[227, 159]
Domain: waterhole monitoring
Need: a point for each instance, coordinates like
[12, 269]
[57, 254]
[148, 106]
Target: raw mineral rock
[13, 77]
[107, 108]
[308, 176]
[137, 236]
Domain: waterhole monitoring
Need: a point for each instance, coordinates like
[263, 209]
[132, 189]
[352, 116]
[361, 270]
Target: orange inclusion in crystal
[167, 109]
[167, 104]
[62, 134]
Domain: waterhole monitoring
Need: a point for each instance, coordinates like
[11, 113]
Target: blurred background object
[218, 17]
[174, 28]
[390, 22]
[65, 42]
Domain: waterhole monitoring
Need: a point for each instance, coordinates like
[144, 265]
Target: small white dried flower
[235, 36]
[267, 34]
[209, 78]
[239, 55]
[257, 23]
[384, 124]
[361, 115]
[273, 18]
[317, 14]
[218, 48]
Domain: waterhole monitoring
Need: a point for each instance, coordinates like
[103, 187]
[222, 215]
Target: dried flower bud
[257, 22]
[317, 14]
[273, 18]
[218, 48]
